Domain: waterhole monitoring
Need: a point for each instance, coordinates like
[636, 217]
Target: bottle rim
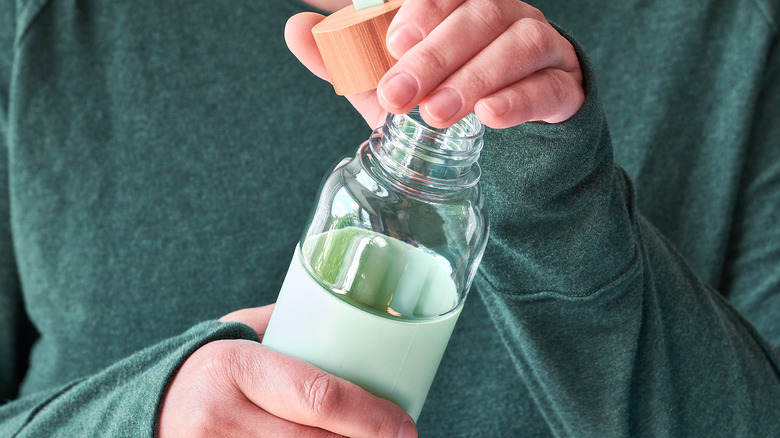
[460, 141]
[429, 158]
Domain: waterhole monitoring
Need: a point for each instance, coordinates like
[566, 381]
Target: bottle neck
[427, 159]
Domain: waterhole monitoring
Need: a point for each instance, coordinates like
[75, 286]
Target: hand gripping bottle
[382, 270]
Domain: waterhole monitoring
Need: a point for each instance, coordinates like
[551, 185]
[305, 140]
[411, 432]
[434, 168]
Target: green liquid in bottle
[381, 274]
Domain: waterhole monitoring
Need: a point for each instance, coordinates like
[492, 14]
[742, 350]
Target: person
[161, 158]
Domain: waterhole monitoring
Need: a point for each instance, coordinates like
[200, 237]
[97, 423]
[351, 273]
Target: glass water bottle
[380, 275]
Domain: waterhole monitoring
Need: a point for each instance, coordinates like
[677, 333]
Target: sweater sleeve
[611, 331]
[124, 397]
[121, 400]
[16, 333]
[752, 278]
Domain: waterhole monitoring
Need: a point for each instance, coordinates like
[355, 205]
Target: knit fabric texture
[160, 159]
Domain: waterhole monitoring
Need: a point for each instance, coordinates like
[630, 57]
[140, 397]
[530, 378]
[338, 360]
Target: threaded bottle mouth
[423, 156]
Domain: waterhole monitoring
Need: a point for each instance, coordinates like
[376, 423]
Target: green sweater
[160, 160]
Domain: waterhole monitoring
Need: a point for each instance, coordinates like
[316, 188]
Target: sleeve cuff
[124, 399]
[560, 210]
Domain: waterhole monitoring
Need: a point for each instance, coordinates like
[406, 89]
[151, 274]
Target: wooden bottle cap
[352, 44]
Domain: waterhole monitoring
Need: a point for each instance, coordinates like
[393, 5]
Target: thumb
[255, 317]
[300, 41]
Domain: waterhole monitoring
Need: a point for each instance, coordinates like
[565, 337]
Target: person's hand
[500, 59]
[235, 388]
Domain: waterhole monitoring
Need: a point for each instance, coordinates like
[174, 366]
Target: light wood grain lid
[352, 44]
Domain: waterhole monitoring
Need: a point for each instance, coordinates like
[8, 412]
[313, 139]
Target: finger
[549, 95]
[304, 394]
[446, 49]
[414, 20]
[300, 41]
[255, 317]
[367, 105]
[425, 65]
[527, 46]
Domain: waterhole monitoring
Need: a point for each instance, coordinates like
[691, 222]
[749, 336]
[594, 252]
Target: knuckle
[534, 38]
[229, 364]
[558, 86]
[201, 422]
[534, 13]
[563, 97]
[490, 13]
[223, 363]
[436, 8]
[205, 417]
[200, 404]
[570, 95]
[422, 13]
[384, 426]
[432, 60]
[321, 392]
[476, 83]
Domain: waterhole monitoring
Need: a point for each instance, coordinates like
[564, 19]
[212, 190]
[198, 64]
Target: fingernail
[444, 104]
[497, 105]
[407, 430]
[403, 39]
[399, 90]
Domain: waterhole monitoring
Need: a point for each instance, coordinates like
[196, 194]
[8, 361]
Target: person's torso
[164, 158]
